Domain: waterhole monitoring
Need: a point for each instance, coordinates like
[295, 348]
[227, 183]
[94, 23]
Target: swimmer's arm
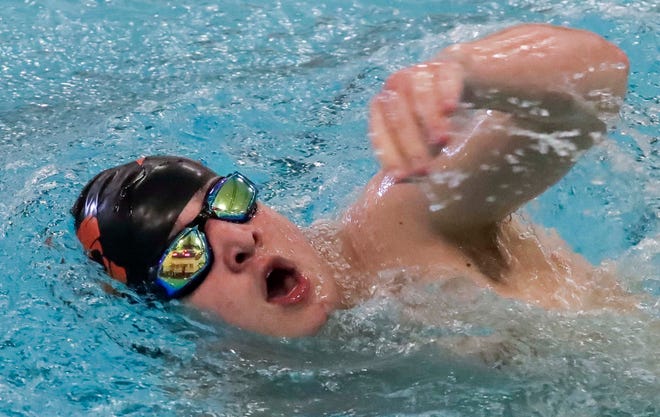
[493, 123]
[546, 65]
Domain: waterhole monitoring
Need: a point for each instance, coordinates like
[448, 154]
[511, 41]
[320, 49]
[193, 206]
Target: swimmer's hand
[490, 124]
[410, 119]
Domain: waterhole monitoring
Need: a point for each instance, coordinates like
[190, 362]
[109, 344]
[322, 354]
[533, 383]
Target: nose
[232, 243]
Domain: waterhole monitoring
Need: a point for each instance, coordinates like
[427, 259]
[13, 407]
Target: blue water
[279, 90]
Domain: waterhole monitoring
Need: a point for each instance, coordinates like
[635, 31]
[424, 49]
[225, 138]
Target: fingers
[436, 94]
[404, 126]
[384, 144]
[396, 135]
[410, 117]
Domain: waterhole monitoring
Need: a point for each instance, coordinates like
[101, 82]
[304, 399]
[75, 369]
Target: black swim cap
[124, 215]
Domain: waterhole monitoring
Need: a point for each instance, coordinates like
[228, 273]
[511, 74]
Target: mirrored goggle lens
[233, 198]
[184, 262]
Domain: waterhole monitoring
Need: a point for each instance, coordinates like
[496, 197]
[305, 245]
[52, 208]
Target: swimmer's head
[124, 216]
[262, 274]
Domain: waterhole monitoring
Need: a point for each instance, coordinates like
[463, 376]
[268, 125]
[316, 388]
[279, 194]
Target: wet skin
[465, 133]
[266, 277]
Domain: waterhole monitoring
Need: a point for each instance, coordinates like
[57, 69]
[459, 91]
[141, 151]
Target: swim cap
[124, 215]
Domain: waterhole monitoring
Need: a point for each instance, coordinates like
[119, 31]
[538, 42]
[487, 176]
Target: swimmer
[464, 140]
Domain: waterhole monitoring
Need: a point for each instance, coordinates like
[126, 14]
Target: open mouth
[285, 286]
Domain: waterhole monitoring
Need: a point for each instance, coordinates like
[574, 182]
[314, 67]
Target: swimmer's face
[266, 277]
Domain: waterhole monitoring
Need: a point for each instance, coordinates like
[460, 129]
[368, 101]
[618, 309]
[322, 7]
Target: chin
[311, 326]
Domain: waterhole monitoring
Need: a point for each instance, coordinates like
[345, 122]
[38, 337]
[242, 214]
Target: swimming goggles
[188, 259]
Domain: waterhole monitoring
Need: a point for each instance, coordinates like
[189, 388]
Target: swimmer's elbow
[606, 79]
[620, 59]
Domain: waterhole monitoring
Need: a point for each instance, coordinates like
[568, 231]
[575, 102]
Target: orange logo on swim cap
[89, 234]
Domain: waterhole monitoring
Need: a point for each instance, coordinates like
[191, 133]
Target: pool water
[279, 90]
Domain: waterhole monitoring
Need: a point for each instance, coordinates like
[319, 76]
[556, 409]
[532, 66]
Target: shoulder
[390, 221]
[386, 200]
